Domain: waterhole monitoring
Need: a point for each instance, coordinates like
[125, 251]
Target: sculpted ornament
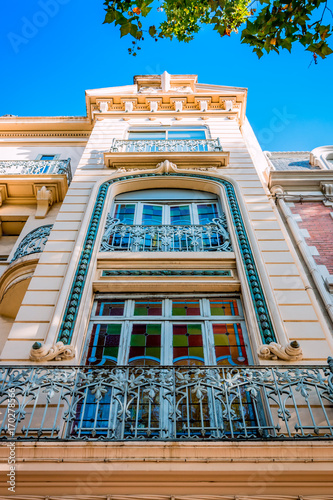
[274, 351]
[57, 352]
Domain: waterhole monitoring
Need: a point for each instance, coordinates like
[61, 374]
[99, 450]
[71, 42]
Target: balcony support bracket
[44, 202]
[274, 351]
[57, 352]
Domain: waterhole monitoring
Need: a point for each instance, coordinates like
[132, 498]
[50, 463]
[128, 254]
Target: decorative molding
[274, 351]
[253, 279]
[168, 497]
[329, 283]
[57, 352]
[166, 272]
[44, 202]
[84, 135]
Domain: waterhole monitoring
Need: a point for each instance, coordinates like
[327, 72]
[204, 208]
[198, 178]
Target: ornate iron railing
[36, 167]
[166, 238]
[33, 242]
[165, 145]
[166, 403]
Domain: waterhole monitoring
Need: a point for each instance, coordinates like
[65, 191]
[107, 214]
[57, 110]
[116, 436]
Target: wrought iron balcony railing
[166, 238]
[165, 145]
[36, 167]
[33, 242]
[166, 403]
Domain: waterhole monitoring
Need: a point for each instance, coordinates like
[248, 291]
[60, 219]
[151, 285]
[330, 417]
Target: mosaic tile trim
[166, 272]
[258, 297]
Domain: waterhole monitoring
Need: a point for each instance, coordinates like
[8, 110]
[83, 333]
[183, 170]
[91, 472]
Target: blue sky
[65, 49]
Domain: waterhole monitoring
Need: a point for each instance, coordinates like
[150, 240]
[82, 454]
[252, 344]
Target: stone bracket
[274, 351]
[45, 200]
[57, 352]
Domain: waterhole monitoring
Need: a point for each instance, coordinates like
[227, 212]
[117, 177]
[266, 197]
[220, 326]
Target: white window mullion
[195, 217]
[124, 344]
[167, 346]
[208, 342]
[138, 213]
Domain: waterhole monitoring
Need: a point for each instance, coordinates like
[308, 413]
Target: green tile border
[166, 272]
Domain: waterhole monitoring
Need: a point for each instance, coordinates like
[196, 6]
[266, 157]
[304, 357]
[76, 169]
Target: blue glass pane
[125, 213]
[47, 157]
[149, 134]
[152, 215]
[180, 215]
[186, 134]
[207, 212]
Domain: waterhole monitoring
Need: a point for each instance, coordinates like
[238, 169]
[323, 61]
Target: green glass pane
[194, 329]
[196, 351]
[221, 340]
[138, 340]
[140, 311]
[178, 311]
[154, 329]
[111, 351]
[113, 329]
[154, 352]
[217, 311]
[180, 340]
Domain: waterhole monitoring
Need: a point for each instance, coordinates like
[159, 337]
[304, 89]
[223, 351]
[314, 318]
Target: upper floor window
[172, 133]
[47, 157]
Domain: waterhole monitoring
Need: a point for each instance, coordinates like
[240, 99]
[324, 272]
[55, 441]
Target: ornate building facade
[166, 302]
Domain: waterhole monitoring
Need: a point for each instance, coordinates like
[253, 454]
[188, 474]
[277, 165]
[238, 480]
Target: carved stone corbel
[274, 351]
[165, 167]
[228, 105]
[44, 202]
[57, 352]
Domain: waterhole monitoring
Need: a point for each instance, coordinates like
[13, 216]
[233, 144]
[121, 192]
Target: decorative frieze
[107, 273]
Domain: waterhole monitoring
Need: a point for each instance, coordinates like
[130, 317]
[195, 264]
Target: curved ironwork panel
[33, 242]
[166, 403]
[166, 238]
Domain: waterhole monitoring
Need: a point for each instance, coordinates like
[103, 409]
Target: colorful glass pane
[207, 212]
[104, 344]
[145, 345]
[187, 344]
[151, 215]
[180, 215]
[125, 213]
[186, 307]
[229, 344]
[148, 308]
[223, 307]
[107, 307]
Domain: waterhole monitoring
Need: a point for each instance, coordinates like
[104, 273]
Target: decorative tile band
[166, 272]
[258, 297]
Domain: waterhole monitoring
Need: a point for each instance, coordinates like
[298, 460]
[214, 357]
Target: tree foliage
[266, 25]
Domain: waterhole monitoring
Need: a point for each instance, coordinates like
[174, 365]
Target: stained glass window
[107, 307]
[220, 307]
[125, 213]
[145, 345]
[180, 215]
[186, 307]
[187, 344]
[229, 344]
[152, 215]
[104, 344]
[148, 308]
[207, 212]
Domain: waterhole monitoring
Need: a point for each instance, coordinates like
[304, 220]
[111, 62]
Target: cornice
[298, 180]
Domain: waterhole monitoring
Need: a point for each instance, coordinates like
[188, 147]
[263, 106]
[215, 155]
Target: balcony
[166, 238]
[184, 152]
[162, 145]
[36, 167]
[166, 403]
[20, 180]
[33, 242]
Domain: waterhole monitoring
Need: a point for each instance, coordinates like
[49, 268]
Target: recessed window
[10, 229]
[47, 157]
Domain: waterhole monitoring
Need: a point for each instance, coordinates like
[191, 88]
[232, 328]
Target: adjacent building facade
[166, 302]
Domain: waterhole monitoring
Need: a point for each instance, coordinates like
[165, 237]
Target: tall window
[167, 331]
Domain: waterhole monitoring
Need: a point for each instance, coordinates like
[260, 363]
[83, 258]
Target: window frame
[166, 129]
[166, 320]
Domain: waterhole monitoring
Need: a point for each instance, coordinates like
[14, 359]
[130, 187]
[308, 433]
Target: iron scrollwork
[33, 242]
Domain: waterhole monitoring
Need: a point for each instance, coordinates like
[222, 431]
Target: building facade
[165, 329]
